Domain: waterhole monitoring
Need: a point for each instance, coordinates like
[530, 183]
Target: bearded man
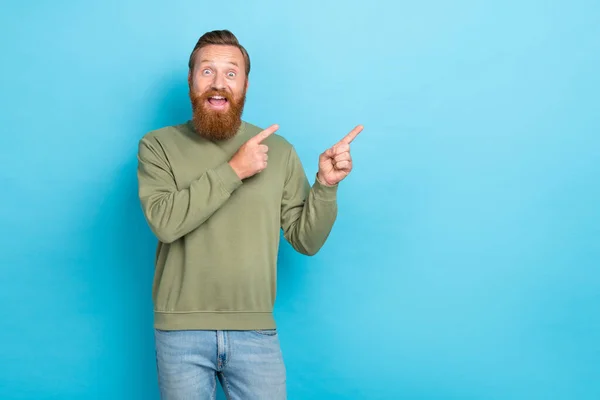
[217, 191]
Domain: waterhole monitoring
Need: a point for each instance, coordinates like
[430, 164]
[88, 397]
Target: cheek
[238, 87]
[200, 84]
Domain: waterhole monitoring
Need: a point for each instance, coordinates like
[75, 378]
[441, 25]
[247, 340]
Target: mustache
[216, 92]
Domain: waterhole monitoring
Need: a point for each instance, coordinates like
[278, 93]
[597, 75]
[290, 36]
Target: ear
[247, 83]
[190, 78]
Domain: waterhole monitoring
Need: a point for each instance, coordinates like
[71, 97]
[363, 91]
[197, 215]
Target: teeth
[218, 97]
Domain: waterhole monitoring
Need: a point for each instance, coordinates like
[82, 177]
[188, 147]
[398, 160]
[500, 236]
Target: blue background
[465, 260]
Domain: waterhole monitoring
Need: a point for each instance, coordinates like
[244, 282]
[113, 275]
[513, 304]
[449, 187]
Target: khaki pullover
[216, 260]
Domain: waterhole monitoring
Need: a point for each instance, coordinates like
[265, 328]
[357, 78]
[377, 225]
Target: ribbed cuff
[324, 192]
[229, 179]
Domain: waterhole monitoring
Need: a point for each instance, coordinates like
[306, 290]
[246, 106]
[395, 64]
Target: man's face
[218, 91]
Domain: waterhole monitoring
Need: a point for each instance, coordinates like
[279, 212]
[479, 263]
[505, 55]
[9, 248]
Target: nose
[218, 82]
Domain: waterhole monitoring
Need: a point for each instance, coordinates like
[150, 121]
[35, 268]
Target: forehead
[220, 54]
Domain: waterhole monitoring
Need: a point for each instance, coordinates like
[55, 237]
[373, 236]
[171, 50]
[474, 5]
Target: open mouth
[217, 102]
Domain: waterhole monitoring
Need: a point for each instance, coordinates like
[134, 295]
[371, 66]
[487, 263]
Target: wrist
[236, 169]
[323, 181]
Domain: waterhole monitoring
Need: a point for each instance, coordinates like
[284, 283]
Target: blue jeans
[249, 365]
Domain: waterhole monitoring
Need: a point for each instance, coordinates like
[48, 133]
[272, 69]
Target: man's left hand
[336, 163]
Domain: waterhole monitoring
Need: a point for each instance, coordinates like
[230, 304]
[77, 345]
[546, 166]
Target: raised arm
[171, 212]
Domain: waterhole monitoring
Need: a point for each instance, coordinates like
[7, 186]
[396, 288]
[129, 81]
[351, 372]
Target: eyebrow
[210, 61]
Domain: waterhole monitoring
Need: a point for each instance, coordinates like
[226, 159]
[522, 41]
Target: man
[217, 191]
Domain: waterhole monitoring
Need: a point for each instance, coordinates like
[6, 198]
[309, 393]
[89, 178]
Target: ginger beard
[216, 124]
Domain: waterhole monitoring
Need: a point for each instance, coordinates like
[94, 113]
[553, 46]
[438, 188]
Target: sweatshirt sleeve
[307, 213]
[172, 213]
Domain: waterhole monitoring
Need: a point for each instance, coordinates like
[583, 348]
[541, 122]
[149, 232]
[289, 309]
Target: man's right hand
[252, 157]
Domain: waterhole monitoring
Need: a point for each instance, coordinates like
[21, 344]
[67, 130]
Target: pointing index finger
[352, 135]
[265, 134]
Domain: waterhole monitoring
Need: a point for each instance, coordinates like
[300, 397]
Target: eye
[206, 72]
[231, 74]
